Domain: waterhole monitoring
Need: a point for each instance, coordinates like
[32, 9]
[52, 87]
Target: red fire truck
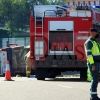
[57, 35]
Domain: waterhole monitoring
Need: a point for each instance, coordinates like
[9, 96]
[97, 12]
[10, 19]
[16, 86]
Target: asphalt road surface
[51, 89]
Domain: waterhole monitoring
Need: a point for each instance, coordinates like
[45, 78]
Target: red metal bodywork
[80, 24]
[31, 36]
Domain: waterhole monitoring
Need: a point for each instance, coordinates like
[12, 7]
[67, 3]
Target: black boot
[95, 98]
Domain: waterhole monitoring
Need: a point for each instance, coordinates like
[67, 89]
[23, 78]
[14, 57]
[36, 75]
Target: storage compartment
[61, 25]
[61, 41]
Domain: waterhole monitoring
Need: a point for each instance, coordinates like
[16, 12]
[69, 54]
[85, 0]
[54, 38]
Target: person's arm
[89, 55]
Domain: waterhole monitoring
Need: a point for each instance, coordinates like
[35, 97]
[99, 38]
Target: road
[51, 89]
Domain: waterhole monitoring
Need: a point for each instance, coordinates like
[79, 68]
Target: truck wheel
[53, 76]
[40, 78]
[53, 73]
[83, 74]
[41, 74]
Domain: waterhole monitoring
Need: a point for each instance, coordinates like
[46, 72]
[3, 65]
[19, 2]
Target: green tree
[15, 13]
[47, 2]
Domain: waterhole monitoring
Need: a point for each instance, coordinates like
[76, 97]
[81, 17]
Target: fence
[23, 41]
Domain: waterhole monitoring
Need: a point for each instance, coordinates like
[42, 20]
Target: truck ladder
[38, 19]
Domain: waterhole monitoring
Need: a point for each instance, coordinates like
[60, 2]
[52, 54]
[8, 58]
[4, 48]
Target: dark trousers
[95, 79]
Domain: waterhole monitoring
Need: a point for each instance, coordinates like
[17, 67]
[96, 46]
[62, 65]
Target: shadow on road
[67, 80]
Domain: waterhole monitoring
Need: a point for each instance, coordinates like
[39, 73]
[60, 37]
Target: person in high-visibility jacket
[92, 50]
[28, 64]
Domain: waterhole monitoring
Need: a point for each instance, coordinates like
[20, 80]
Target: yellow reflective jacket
[92, 50]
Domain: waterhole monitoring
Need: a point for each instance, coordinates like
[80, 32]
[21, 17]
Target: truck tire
[83, 74]
[53, 73]
[41, 74]
[40, 78]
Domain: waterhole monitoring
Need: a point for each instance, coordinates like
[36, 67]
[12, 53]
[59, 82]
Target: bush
[5, 33]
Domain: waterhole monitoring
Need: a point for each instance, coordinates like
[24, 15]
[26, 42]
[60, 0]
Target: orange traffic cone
[7, 73]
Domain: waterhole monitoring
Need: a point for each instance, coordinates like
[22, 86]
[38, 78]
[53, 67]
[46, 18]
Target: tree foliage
[5, 33]
[15, 13]
[48, 2]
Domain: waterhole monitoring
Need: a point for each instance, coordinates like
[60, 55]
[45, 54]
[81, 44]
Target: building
[83, 2]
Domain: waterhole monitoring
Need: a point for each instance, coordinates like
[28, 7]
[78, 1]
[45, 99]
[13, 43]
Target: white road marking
[65, 86]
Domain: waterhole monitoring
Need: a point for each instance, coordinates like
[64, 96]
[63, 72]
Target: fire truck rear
[57, 36]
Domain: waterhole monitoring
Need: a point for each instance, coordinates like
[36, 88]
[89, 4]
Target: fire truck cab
[57, 36]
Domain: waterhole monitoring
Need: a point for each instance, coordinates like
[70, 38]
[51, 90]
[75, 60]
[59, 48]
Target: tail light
[39, 48]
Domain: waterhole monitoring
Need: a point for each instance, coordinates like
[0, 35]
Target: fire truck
[57, 36]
